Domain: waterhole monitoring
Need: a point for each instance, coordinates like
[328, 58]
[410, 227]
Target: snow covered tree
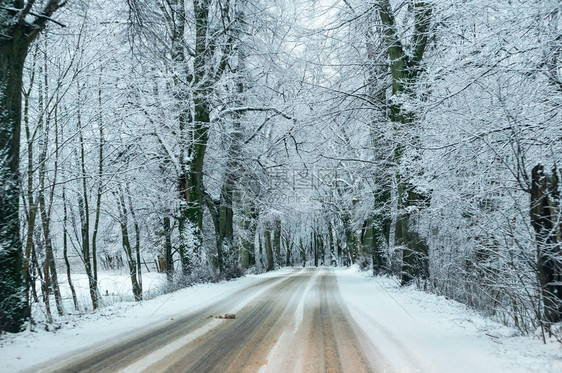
[405, 65]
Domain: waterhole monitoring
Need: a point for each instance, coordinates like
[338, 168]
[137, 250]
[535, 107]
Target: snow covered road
[302, 320]
[296, 320]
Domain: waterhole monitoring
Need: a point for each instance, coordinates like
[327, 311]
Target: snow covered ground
[113, 287]
[412, 330]
[420, 332]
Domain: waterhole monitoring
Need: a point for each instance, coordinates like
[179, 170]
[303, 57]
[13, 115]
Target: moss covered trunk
[405, 66]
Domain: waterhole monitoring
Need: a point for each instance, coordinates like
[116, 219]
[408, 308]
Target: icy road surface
[301, 320]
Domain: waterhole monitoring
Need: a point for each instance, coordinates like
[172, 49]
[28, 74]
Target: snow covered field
[413, 331]
[113, 287]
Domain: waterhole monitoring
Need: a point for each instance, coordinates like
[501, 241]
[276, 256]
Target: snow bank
[421, 332]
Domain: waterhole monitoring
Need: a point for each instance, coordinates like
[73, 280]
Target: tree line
[415, 138]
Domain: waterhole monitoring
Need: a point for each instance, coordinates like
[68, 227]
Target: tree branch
[45, 16]
[398, 59]
[244, 109]
[422, 16]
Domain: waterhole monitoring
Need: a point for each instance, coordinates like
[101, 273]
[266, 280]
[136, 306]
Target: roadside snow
[420, 332]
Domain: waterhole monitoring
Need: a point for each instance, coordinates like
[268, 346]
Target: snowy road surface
[293, 320]
[292, 323]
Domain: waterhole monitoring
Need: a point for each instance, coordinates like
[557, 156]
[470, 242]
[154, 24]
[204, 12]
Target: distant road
[294, 322]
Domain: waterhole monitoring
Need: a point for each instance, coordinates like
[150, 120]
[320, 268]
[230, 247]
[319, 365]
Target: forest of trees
[419, 139]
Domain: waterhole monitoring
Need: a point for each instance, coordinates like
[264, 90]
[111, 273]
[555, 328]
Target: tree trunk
[84, 209]
[277, 241]
[247, 250]
[193, 187]
[137, 244]
[126, 244]
[376, 245]
[226, 221]
[268, 250]
[35, 273]
[378, 228]
[32, 207]
[45, 287]
[404, 70]
[339, 249]
[227, 255]
[545, 210]
[50, 266]
[169, 260]
[332, 246]
[65, 250]
[16, 35]
[302, 249]
[350, 241]
[99, 192]
[314, 244]
[14, 307]
[288, 249]
[415, 252]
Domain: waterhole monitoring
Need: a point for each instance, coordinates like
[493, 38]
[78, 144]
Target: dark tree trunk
[332, 246]
[84, 210]
[51, 276]
[350, 241]
[303, 252]
[415, 252]
[65, 250]
[247, 251]
[228, 257]
[289, 243]
[277, 241]
[339, 249]
[268, 250]
[545, 209]
[126, 244]
[169, 260]
[322, 250]
[14, 308]
[99, 192]
[379, 228]
[16, 35]
[226, 228]
[137, 245]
